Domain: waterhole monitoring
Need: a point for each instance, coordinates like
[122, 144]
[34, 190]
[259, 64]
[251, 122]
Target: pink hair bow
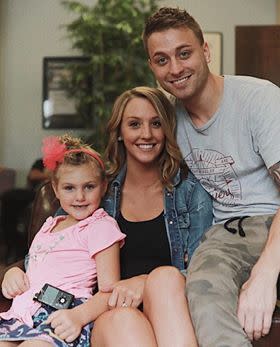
[53, 152]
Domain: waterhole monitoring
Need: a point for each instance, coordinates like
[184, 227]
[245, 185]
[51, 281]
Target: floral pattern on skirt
[15, 330]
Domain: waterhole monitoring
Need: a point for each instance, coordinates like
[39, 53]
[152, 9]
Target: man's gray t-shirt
[231, 153]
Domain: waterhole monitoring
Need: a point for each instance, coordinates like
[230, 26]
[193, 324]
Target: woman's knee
[165, 278]
[118, 322]
[117, 318]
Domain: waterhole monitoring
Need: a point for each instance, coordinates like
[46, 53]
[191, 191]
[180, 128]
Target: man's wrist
[266, 267]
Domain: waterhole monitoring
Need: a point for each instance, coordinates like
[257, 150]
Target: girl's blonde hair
[170, 158]
[79, 157]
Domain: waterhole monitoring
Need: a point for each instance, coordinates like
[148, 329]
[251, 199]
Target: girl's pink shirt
[65, 259]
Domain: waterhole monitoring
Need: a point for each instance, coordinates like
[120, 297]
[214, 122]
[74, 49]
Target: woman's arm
[127, 292]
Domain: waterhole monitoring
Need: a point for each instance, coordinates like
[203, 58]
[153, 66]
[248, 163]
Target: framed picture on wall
[214, 40]
[64, 91]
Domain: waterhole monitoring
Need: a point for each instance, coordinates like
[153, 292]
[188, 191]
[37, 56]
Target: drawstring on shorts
[239, 225]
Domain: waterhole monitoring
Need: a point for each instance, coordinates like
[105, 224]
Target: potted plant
[109, 33]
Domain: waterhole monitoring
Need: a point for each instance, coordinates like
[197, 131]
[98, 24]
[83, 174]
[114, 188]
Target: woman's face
[142, 132]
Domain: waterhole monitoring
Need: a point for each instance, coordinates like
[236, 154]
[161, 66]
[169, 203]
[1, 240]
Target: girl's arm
[15, 282]
[108, 273]
[67, 324]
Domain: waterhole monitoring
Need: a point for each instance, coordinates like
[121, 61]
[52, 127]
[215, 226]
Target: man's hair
[167, 18]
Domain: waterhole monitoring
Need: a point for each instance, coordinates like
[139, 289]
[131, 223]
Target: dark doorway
[257, 52]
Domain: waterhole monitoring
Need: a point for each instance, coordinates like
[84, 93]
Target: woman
[164, 211]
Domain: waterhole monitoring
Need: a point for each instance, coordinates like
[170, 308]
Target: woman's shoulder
[187, 178]
[189, 184]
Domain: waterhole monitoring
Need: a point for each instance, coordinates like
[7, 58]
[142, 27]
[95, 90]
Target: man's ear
[150, 64]
[206, 52]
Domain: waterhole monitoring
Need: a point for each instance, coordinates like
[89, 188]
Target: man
[228, 130]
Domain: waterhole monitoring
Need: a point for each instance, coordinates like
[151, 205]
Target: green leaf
[109, 33]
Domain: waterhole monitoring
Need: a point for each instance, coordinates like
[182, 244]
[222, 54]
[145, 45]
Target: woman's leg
[8, 344]
[123, 327]
[166, 307]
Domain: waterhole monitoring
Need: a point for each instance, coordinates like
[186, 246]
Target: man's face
[179, 62]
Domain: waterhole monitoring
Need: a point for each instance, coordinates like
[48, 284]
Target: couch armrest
[7, 179]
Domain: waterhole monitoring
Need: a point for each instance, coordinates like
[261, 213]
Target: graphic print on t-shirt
[215, 172]
[39, 251]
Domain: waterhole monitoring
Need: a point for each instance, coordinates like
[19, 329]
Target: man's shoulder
[246, 81]
[247, 91]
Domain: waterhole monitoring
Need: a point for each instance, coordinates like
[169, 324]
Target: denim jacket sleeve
[201, 216]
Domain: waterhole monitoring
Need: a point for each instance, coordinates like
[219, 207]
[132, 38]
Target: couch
[45, 204]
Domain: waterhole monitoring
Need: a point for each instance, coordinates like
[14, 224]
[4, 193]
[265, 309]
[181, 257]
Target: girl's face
[79, 189]
[141, 131]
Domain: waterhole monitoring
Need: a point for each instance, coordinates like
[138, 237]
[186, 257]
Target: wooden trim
[277, 11]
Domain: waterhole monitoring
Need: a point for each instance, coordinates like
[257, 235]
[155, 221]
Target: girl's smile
[79, 189]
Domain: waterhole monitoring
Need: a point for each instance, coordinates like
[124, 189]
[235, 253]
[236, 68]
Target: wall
[224, 15]
[30, 30]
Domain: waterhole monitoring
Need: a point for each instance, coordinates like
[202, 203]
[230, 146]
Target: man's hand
[15, 282]
[256, 304]
[66, 324]
[126, 293]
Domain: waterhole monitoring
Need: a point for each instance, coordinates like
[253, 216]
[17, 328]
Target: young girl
[70, 252]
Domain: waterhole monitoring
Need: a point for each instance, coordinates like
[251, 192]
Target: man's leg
[219, 267]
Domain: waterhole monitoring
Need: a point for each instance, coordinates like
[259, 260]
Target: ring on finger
[124, 304]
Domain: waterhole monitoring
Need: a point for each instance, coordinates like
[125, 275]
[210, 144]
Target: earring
[119, 138]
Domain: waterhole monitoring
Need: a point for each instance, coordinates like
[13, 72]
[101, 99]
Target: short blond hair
[167, 18]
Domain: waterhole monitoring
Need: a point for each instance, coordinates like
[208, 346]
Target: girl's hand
[126, 293]
[66, 324]
[15, 282]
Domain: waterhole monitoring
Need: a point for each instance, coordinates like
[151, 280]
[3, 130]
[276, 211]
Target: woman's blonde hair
[170, 158]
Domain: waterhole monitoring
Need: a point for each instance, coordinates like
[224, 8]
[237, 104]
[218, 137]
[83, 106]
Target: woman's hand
[66, 324]
[15, 282]
[126, 293]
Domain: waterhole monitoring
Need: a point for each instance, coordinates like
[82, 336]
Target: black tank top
[146, 246]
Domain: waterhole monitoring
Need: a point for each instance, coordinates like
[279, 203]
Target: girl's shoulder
[98, 216]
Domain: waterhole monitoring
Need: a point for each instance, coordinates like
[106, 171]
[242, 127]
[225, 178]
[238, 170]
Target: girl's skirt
[14, 330]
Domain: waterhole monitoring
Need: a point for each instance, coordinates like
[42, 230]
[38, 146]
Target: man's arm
[258, 295]
[274, 171]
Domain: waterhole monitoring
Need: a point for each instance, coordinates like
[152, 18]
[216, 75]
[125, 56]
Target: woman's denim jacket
[187, 213]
